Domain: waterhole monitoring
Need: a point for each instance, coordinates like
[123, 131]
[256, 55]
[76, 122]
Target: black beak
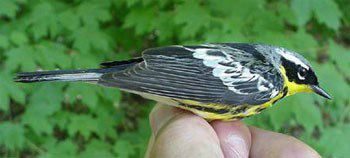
[318, 90]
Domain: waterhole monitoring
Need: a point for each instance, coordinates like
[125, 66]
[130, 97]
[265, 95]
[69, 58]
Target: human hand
[177, 133]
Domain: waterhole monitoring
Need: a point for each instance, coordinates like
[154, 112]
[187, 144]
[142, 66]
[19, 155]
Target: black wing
[209, 73]
[123, 63]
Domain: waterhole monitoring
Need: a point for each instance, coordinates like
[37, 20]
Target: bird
[216, 81]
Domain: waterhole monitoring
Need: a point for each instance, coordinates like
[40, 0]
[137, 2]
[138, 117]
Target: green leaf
[261, 121]
[139, 139]
[218, 35]
[62, 149]
[302, 10]
[51, 101]
[326, 11]
[123, 149]
[141, 19]
[187, 14]
[164, 26]
[307, 113]
[47, 54]
[237, 10]
[8, 8]
[39, 124]
[286, 13]
[341, 56]
[36, 117]
[43, 20]
[5, 101]
[61, 119]
[131, 3]
[274, 38]
[20, 58]
[19, 38]
[82, 124]
[240, 19]
[84, 92]
[281, 114]
[52, 55]
[42, 105]
[4, 42]
[111, 94]
[23, 2]
[332, 81]
[86, 38]
[335, 141]
[106, 122]
[97, 148]
[12, 135]
[83, 60]
[305, 44]
[69, 20]
[91, 13]
[262, 23]
[344, 5]
[9, 90]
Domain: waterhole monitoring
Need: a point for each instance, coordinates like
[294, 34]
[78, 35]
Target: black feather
[41, 76]
[123, 63]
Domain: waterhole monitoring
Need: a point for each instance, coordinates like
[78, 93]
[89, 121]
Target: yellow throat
[292, 86]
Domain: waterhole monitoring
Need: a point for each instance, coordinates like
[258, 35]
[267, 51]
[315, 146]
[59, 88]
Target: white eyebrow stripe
[292, 58]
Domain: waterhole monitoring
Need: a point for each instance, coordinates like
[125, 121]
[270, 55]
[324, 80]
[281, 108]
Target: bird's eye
[302, 72]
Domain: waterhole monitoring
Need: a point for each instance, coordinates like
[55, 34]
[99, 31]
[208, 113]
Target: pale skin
[176, 133]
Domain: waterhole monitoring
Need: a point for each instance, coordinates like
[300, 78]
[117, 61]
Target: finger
[149, 147]
[160, 115]
[234, 138]
[267, 144]
[185, 135]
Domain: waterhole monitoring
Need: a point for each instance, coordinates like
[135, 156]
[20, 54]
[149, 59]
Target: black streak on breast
[207, 109]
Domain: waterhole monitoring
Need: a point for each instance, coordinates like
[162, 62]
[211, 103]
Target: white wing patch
[231, 72]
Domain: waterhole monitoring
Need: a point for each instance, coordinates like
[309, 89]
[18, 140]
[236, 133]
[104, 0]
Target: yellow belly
[213, 111]
[233, 112]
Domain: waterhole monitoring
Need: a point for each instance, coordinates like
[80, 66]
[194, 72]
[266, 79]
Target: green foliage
[326, 11]
[80, 120]
[12, 135]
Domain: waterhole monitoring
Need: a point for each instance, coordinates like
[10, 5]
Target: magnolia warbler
[219, 81]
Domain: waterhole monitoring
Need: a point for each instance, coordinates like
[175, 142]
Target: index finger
[266, 144]
[182, 135]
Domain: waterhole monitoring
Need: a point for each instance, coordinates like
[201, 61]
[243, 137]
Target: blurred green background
[80, 120]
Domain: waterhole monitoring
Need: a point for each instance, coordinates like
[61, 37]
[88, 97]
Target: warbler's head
[298, 74]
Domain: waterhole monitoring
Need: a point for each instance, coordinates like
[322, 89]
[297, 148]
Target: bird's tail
[87, 75]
